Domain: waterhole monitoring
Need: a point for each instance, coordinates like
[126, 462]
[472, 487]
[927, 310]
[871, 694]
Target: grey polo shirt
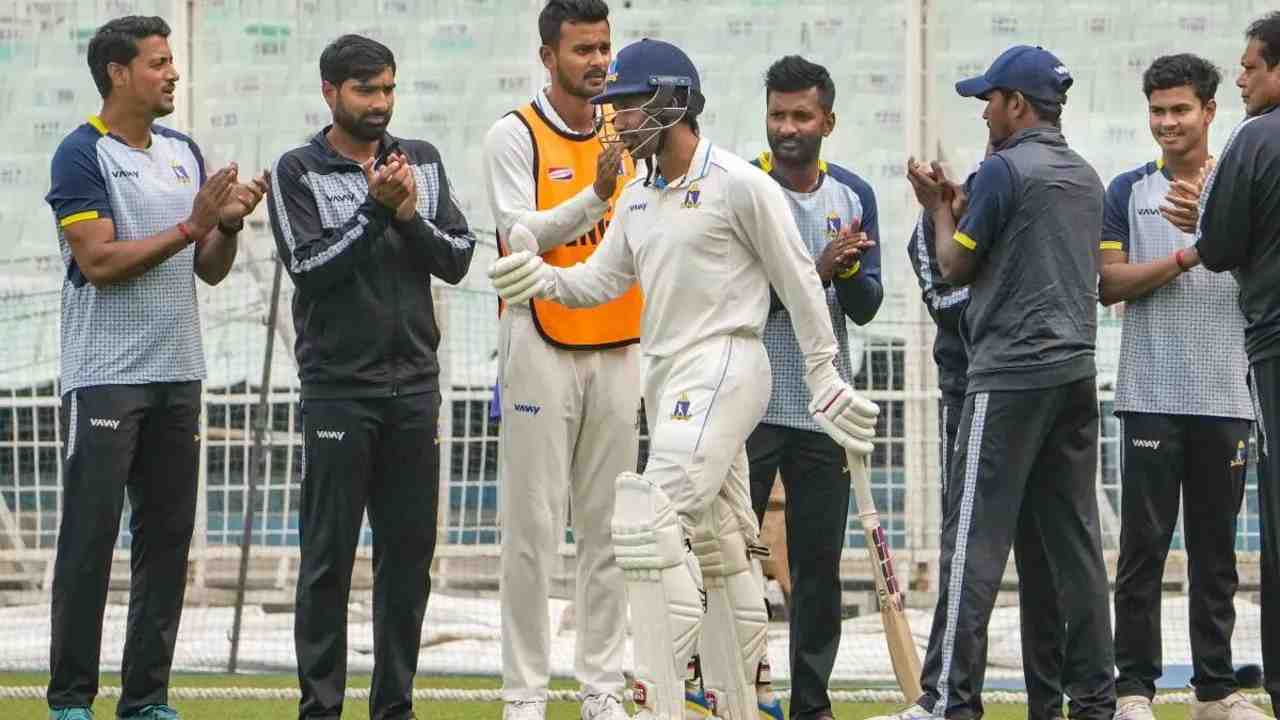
[147, 329]
[1182, 347]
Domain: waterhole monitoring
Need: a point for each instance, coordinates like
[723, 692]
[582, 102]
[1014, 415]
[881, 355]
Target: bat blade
[902, 650]
[897, 631]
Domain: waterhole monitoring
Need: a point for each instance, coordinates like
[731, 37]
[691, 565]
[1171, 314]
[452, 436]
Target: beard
[361, 126]
[578, 87]
[796, 150]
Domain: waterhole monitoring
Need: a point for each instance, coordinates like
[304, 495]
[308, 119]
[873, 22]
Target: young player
[705, 235]
[1183, 402]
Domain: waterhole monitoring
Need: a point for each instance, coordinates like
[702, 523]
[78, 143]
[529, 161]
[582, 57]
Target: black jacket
[946, 304]
[1240, 227]
[362, 308]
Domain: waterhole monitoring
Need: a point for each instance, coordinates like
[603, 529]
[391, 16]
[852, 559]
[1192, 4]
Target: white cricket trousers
[701, 405]
[568, 429]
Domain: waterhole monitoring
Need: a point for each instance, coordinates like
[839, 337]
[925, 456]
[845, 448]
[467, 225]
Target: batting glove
[848, 417]
[520, 276]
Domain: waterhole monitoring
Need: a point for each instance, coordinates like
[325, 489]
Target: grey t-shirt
[147, 329]
[1182, 349]
[1034, 219]
[842, 198]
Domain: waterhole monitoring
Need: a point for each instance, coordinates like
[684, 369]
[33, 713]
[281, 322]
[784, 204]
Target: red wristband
[1177, 257]
[184, 231]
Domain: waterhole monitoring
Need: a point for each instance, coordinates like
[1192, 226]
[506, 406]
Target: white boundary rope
[891, 697]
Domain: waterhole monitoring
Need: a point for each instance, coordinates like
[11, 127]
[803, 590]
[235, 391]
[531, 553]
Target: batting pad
[663, 590]
[737, 621]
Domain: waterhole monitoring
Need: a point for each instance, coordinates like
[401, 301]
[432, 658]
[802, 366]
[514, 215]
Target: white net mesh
[250, 68]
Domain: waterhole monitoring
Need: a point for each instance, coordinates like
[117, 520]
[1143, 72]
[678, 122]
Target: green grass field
[358, 710]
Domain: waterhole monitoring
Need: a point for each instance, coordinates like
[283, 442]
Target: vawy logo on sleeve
[108, 423]
[330, 434]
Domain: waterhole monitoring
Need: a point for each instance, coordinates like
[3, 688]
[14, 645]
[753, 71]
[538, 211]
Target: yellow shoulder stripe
[97, 123]
[766, 162]
[78, 217]
[1111, 245]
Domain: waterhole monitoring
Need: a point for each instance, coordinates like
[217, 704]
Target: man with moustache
[569, 378]
[1183, 404]
[1239, 230]
[835, 211]
[363, 220]
[1027, 247]
[705, 235]
[137, 221]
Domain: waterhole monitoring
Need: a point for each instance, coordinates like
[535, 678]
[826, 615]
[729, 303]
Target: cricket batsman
[705, 235]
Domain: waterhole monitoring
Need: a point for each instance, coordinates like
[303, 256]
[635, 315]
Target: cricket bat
[902, 649]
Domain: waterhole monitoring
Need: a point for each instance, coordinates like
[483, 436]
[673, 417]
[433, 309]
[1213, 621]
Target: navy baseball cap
[1033, 71]
[641, 67]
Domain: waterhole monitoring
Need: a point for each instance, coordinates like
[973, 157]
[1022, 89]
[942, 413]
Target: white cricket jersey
[705, 249]
[513, 192]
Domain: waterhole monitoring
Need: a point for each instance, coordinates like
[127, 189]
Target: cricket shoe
[153, 712]
[1133, 707]
[525, 710]
[771, 710]
[914, 712]
[696, 704]
[603, 707]
[71, 713]
[767, 702]
[1232, 707]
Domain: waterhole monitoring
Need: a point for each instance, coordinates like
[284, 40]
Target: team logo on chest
[681, 411]
[180, 173]
[833, 226]
[693, 197]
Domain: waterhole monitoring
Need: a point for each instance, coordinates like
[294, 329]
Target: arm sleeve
[860, 294]
[444, 244]
[991, 201]
[1225, 227]
[608, 273]
[1115, 213]
[766, 225]
[508, 162]
[78, 189]
[317, 257]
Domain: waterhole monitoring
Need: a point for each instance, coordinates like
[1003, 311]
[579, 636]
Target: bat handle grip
[861, 484]
[870, 521]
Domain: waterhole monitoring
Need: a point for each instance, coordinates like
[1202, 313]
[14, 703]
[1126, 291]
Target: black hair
[1048, 111]
[1266, 30]
[793, 73]
[117, 42]
[354, 56]
[1183, 69]
[557, 12]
